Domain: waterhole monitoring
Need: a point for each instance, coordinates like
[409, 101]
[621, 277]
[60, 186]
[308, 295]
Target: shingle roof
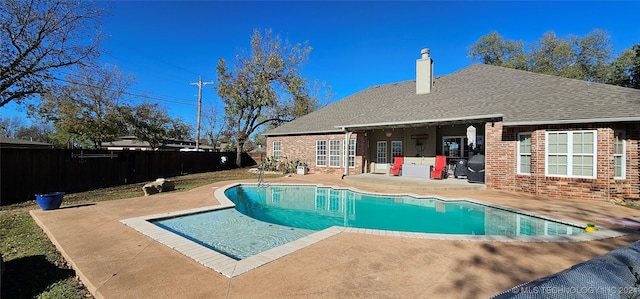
[475, 92]
[14, 142]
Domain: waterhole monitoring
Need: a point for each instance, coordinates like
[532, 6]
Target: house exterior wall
[501, 163]
[303, 147]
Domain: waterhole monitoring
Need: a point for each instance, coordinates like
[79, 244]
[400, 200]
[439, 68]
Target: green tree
[579, 57]
[593, 54]
[264, 86]
[40, 37]
[551, 55]
[625, 70]
[64, 139]
[634, 69]
[89, 106]
[151, 123]
[493, 49]
[180, 130]
[584, 58]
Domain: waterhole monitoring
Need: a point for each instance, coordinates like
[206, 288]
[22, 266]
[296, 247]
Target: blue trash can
[49, 201]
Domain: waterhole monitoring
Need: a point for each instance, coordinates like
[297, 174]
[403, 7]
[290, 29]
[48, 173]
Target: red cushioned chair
[397, 166]
[439, 169]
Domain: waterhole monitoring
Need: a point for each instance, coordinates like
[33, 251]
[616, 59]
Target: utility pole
[200, 84]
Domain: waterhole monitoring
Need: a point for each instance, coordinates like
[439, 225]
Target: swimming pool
[317, 208]
[231, 267]
[231, 232]
[265, 217]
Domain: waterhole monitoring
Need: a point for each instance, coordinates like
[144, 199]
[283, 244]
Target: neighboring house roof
[21, 143]
[476, 92]
[128, 142]
[259, 150]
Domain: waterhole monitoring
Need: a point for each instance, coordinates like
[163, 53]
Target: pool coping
[230, 267]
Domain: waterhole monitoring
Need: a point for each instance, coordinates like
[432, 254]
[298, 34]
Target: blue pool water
[266, 217]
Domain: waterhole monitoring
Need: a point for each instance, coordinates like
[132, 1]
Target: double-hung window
[321, 153]
[352, 153]
[524, 153]
[334, 153]
[277, 150]
[571, 154]
[619, 157]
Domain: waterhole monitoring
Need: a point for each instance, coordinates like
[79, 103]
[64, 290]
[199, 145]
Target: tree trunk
[239, 149]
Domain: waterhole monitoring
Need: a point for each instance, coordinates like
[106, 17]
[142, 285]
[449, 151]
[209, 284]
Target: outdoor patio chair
[397, 166]
[439, 171]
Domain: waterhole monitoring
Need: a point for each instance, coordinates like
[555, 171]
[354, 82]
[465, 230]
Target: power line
[127, 93]
[153, 95]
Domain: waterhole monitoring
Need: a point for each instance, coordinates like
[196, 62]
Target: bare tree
[40, 37]
[9, 126]
[212, 125]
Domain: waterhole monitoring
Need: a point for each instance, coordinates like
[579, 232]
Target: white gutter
[570, 121]
[426, 121]
[303, 132]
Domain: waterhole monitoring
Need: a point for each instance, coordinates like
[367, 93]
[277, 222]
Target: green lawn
[33, 266]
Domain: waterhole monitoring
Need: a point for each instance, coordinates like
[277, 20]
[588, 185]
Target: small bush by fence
[26, 172]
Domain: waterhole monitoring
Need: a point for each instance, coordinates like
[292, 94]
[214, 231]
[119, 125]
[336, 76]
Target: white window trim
[279, 150]
[394, 142]
[519, 155]
[330, 155]
[351, 158]
[334, 204]
[275, 196]
[386, 152]
[326, 161]
[570, 154]
[321, 199]
[623, 155]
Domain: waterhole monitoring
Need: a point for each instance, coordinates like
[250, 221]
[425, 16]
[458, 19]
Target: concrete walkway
[115, 261]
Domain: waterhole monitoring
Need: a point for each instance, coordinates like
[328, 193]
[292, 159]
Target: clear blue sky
[166, 45]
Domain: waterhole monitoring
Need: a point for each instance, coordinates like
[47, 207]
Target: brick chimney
[424, 73]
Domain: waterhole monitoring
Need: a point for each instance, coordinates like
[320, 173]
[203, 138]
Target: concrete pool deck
[116, 261]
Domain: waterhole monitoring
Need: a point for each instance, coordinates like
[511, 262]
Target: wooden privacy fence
[26, 172]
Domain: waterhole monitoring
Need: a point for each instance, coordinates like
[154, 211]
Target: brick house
[540, 134]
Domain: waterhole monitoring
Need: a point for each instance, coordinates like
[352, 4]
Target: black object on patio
[461, 169]
[612, 275]
[475, 169]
